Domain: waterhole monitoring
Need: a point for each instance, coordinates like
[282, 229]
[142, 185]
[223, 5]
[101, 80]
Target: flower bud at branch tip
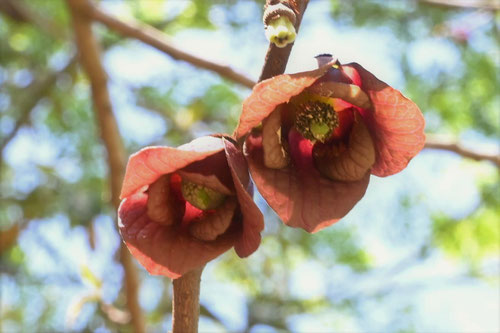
[201, 196]
[279, 20]
[281, 32]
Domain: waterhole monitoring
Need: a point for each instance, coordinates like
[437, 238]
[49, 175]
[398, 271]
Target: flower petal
[298, 193]
[163, 206]
[396, 123]
[148, 164]
[253, 220]
[354, 162]
[214, 223]
[348, 92]
[275, 156]
[270, 93]
[161, 249]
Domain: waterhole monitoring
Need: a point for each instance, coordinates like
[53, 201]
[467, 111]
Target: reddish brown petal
[275, 155]
[211, 181]
[212, 172]
[268, 94]
[396, 123]
[299, 194]
[346, 120]
[165, 250]
[253, 221]
[351, 164]
[348, 92]
[148, 164]
[214, 223]
[163, 206]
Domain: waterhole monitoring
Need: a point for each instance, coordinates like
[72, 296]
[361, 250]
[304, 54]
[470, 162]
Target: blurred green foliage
[44, 100]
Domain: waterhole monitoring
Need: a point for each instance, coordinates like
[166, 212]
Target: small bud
[281, 31]
[201, 196]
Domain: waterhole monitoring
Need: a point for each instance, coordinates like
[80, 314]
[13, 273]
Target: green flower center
[316, 120]
[201, 196]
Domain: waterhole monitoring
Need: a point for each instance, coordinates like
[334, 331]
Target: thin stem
[186, 302]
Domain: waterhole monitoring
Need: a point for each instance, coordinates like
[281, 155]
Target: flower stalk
[186, 302]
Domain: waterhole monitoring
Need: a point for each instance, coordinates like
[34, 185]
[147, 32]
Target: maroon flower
[183, 207]
[323, 132]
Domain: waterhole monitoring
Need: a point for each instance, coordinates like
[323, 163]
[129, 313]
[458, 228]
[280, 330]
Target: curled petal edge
[148, 164]
[355, 161]
[396, 123]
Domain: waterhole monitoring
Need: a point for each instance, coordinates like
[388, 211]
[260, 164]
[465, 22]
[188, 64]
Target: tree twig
[160, 41]
[8, 237]
[186, 302]
[433, 142]
[277, 58]
[16, 10]
[90, 58]
[479, 4]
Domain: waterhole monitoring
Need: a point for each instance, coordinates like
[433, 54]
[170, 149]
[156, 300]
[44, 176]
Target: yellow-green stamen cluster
[201, 196]
[316, 120]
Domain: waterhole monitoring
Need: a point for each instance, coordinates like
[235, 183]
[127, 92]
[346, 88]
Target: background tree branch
[479, 4]
[89, 53]
[434, 142]
[17, 11]
[158, 40]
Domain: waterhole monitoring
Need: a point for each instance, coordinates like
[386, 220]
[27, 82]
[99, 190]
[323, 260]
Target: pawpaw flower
[317, 136]
[183, 207]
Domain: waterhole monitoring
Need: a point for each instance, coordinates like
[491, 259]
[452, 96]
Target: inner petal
[209, 225]
[163, 206]
[348, 92]
[275, 154]
[212, 172]
[301, 152]
[347, 162]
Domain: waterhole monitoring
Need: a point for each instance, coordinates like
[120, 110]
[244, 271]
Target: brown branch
[433, 142]
[186, 302]
[277, 58]
[8, 237]
[89, 53]
[479, 4]
[158, 40]
[17, 11]
[14, 11]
